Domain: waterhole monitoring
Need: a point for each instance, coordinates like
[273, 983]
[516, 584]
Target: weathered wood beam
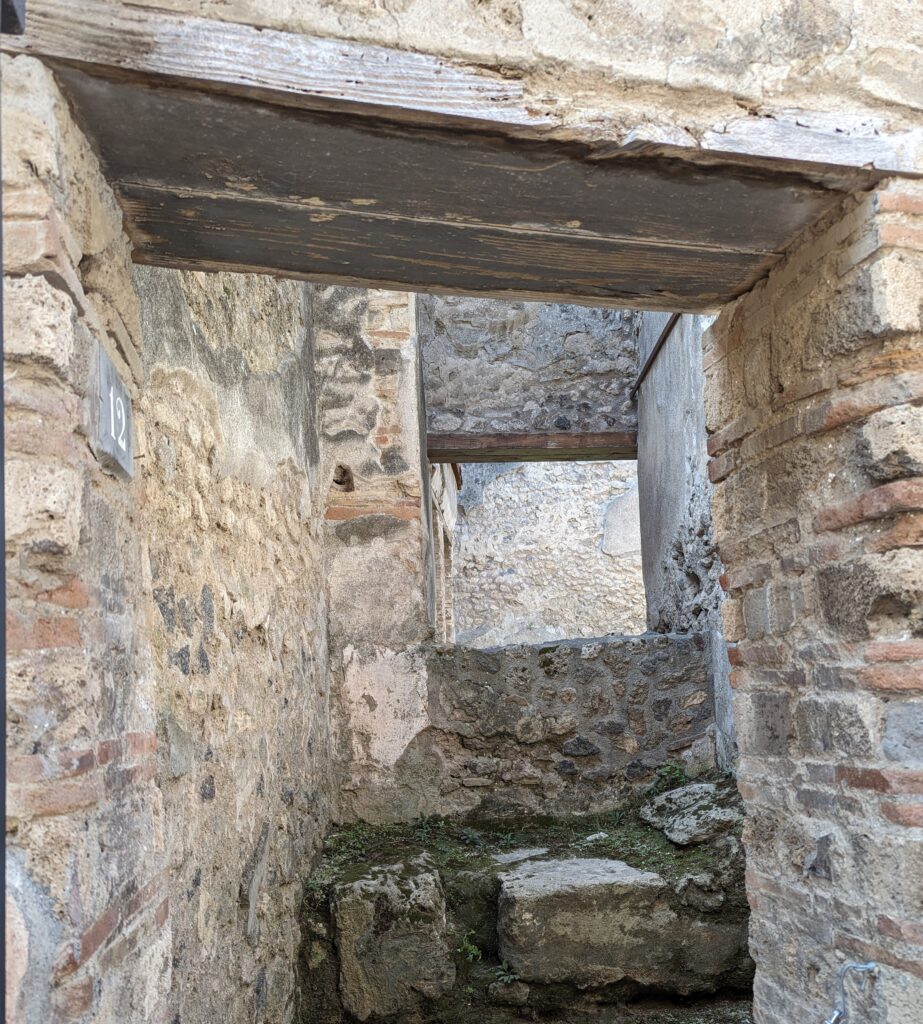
[282, 68]
[235, 185]
[287, 68]
[557, 447]
[234, 148]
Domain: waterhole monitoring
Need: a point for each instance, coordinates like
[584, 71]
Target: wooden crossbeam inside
[545, 447]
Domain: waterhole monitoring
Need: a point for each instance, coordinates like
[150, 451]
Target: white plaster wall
[547, 550]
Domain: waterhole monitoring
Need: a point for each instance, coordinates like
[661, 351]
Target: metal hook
[840, 1014]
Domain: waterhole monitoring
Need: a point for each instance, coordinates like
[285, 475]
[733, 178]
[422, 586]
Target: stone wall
[555, 728]
[233, 552]
[378, 534]
[681, 565]
[814, 383]
[566, 727]
[376, 490]
[547, 550]
[88, 928]
[493, 366]
[167, 729]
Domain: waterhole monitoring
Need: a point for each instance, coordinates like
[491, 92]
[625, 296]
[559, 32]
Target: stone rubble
[695, 813]
[392, 939]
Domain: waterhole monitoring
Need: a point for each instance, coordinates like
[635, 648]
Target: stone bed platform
[633, 915]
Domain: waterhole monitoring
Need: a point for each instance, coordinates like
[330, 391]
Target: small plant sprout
[468, 949]
[506, 974]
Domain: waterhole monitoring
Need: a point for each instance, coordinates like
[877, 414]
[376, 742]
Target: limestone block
[43, 504]
[38, 323]
[891, 443]
[392, 940]
[593, 922]
[30, 146]
[693, 814]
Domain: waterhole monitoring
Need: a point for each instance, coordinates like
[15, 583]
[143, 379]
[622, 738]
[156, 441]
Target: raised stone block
[593, 922]
[38, 323]
[391, 936]
[891, 443]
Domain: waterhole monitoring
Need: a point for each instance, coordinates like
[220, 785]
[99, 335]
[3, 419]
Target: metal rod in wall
[651, 359]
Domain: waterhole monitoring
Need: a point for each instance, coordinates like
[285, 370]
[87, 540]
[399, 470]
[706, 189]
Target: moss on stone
[464, 850]
[469, 845]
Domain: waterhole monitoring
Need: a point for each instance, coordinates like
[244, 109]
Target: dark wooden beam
[231, 148]
[558, 447]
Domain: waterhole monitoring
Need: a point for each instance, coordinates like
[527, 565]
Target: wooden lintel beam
[232, 148]
[284, 68]
[547, 447]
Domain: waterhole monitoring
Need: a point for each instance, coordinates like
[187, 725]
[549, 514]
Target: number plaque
[112, 433]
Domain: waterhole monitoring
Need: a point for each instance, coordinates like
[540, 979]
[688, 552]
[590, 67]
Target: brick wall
[87, 892]
[168, 702]
[814, 383]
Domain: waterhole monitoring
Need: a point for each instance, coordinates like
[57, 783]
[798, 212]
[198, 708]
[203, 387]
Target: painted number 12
[117, 418]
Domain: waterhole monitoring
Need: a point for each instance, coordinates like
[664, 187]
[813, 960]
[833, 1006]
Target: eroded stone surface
[391, 937]
[595, 922]
[693, 814]
[810, 413]
[682, 568]
[676, 915]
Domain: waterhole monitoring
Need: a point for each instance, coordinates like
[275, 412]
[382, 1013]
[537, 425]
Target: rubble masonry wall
[547, 550]
[231, 527]
[496, 366]
[814, 384]
[680, 561]
[168, 728]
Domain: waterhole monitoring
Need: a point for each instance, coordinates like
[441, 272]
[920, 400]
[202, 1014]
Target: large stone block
[44, 505]
[391, 936]
[593, 922]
